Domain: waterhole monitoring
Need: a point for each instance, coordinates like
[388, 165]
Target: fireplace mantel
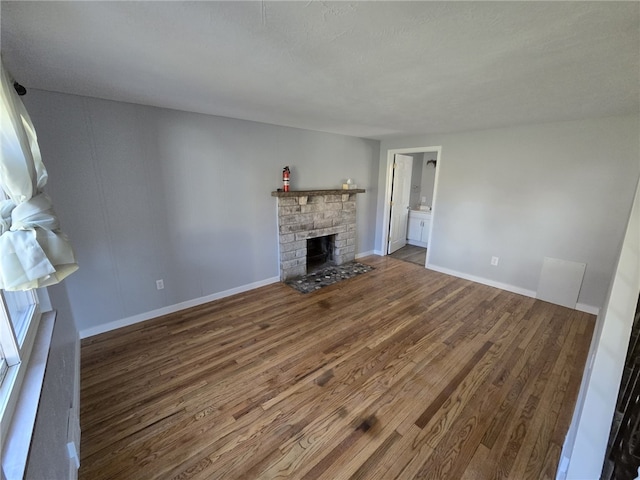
[309, 193]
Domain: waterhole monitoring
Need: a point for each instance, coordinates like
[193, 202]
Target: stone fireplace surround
[308, 214]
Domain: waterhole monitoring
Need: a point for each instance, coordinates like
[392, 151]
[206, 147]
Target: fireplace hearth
[326, 276]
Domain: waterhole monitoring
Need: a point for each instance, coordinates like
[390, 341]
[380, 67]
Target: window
[20, 306]
[35, 254]
[19, 320]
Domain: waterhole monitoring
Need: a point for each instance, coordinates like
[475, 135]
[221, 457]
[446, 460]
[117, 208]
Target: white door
[400, 191]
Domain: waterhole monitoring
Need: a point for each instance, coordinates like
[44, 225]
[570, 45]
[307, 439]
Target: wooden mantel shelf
[309, 193]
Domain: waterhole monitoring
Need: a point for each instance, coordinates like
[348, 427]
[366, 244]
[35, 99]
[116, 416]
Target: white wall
[560, 190]
[428, 178]
[587, 439]
[147, 193]
[416, 179]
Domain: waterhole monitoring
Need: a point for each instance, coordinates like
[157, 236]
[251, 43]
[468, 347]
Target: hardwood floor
[398, 373]
[411, 254]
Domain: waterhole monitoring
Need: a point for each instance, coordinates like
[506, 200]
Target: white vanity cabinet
[418, 228]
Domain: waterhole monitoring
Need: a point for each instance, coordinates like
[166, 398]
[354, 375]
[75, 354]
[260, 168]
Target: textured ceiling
[370, 69]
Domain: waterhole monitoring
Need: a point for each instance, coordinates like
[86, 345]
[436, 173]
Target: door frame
[387, 194]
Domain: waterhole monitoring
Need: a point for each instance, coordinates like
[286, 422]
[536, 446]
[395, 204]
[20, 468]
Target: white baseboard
[380, 253]
[484, 281]
[125, 322]
[364, 254]
[505, 286]
[561, 474]
[583, 307]
[417, 243]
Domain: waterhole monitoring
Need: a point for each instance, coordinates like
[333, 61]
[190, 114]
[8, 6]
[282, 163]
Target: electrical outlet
[160, 284]
[494, 261]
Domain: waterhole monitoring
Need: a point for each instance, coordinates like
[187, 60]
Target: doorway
[396, 194]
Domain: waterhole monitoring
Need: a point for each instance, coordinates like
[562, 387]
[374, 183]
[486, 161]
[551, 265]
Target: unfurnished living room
[320, 240]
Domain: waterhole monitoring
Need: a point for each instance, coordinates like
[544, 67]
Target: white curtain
[33, 251]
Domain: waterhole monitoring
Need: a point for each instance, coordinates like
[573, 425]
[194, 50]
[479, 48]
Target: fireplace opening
[320, 252]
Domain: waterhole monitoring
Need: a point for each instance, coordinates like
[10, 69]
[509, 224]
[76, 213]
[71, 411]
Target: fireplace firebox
[320, 252]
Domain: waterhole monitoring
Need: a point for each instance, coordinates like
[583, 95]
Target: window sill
[16, 449]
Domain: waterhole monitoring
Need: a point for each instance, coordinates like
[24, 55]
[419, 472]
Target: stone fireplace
[311, 214]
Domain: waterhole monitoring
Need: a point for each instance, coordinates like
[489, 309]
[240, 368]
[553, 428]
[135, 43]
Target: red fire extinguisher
[285, 178]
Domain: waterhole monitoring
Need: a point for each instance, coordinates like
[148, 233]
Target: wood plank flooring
[399, 373]
[412, 254]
